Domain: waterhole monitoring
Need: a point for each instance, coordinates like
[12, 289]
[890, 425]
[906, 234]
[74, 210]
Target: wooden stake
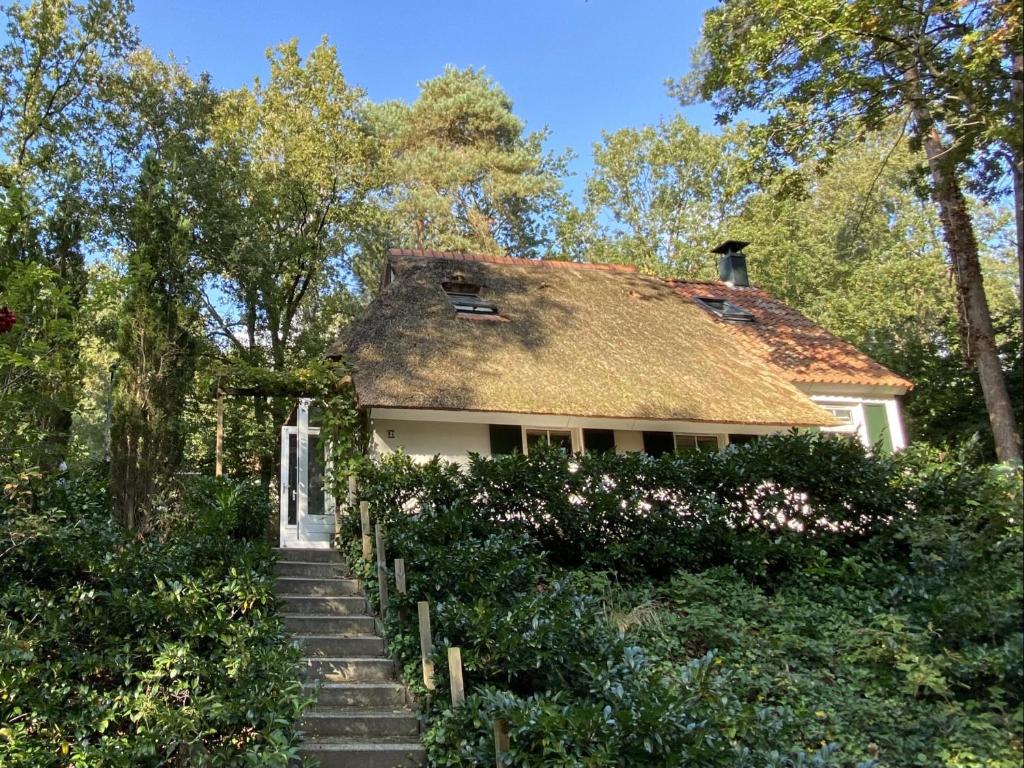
[426, 644]
[382, 571]
[501, 743]
[364, 520]
[455, 675]
[352, 487]
[219, 441]
[400, 576]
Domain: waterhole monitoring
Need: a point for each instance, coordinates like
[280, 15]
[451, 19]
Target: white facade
[453, 435]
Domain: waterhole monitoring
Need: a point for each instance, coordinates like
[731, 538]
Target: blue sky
[577, 67]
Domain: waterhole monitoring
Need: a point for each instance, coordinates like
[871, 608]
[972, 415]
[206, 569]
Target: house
[467, 353]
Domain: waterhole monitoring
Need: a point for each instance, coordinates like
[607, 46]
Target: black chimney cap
[730, 246]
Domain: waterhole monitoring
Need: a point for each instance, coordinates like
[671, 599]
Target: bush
[763, 507]
[122, 651]
[791, 602]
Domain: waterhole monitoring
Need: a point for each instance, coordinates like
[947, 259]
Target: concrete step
[370, 695]
[288, 554]
[308, 570]
[348, 669]
[349, 626]
[332, 645]
[343, 753]
[324, 606]
[318, 587]
[360, 723]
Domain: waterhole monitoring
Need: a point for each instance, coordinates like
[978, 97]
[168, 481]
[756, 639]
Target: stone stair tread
[356, 712]
[350, 742]
[375, 684]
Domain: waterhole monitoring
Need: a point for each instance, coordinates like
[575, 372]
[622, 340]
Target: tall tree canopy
[816, 68]
[57, 62]
[463, 173]
[662, 196]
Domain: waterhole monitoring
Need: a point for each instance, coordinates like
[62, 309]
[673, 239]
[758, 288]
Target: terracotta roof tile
[780, 335]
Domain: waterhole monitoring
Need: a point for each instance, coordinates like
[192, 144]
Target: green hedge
[761, 507]
[118, 650]
[583, 593]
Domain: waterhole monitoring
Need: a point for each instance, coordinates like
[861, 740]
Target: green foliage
[460, 171]
[56, 64]
[117, 651]
[883, 631]
[763, 506]
[661, 197]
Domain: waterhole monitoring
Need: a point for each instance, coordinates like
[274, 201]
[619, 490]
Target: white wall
[422, 439]
[628, 441]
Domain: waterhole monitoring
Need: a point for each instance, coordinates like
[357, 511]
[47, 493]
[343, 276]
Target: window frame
[727, 311]
[721, 441]
[574, 436]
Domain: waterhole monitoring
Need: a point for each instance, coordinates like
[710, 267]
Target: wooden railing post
[455, 675]
[382, 571]
[400, 576]
[364, 521]
[426, 644]
[500, 743]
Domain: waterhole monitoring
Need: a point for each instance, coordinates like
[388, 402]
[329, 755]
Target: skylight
[725, 309]
[465, 297]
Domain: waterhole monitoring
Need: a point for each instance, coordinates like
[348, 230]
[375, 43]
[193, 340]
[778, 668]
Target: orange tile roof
[802, 349]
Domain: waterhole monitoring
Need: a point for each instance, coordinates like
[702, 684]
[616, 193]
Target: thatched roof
[574, 339]
[803, 350]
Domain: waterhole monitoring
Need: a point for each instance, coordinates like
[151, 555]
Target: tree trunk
[977, 335]
[1017, 172]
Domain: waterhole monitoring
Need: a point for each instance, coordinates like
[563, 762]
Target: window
[725, 309]
[465, 297]
[702, 443]
[560, 437]
[843, 414]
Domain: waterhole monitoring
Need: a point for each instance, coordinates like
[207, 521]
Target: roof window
[725, 309]
[466, 299]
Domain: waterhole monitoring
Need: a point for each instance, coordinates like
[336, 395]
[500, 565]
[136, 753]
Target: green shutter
[659, 443]
[878, 427]
[506, 439]
[599, 441]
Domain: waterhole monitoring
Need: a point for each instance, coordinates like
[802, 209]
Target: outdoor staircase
[361, 718]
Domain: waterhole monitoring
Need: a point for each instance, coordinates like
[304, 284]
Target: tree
[462, 173]
[292, 165]
[56, 62]
[816, 68]
[159, 334]
[661, 197]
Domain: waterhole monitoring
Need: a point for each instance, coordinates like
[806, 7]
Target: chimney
[732, 263]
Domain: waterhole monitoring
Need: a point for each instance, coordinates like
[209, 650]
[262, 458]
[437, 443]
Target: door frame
[292, 535]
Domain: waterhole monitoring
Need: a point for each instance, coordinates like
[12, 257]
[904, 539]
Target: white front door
[307, 505]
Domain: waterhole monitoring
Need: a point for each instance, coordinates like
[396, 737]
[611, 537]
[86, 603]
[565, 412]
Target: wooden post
[400, 576]
[500, 743]
[364, 520]
[219, 441]
[350, 499]
[426, 644]
[455, 675]
[382, 571]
